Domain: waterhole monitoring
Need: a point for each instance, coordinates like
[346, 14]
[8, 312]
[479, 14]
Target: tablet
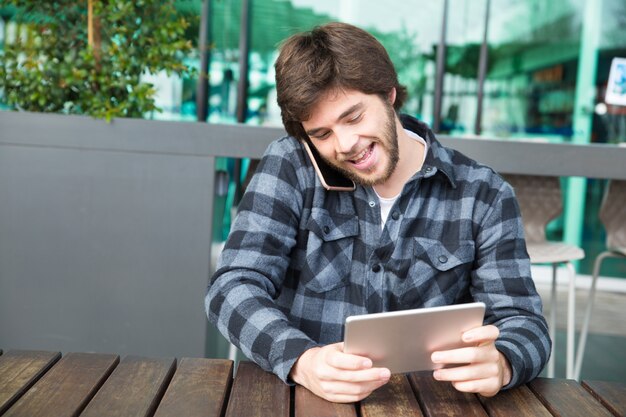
[404, 340]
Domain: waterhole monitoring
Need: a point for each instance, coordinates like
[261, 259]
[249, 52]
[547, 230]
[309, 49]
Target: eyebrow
[346, 113]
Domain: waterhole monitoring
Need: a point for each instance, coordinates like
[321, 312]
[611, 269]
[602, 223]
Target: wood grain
[37, 384]
[66, 389]
[308, 404]
[441, 399]
[199, 388]
[257, 393]
[134, 389]
[566, 398]
[518, 402]
[396, 398]
[19, 370]
[611, 394]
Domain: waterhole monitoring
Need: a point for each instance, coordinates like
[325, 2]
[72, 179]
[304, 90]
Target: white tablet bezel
[403, 341]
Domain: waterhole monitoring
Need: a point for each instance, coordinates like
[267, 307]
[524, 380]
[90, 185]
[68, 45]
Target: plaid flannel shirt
[300, 259]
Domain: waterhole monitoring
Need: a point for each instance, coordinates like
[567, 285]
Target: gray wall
[105, 228]
[103, 250]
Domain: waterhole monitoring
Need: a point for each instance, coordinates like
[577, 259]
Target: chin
[368, 180]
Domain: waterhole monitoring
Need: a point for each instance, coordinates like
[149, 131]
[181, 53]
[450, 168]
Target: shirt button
[428, 169]
[326, 229]
[372, 204]
[376, 268]
[395, 215]
[443, 259]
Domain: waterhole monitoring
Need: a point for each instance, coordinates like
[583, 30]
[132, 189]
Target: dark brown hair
[332, 56]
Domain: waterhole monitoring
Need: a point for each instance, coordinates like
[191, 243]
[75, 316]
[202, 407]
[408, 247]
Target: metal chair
[540, 202]
[613, 217]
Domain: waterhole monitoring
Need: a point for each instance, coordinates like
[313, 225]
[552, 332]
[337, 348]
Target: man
[425, 226]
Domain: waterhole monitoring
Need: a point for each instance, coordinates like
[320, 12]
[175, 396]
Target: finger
[336, 358]
[466, 373]
[343, 398]
[466, 355]
[486, 387]
[346, 392]
[347, 361]
[372, 375]
[481, 334]
[350, 388]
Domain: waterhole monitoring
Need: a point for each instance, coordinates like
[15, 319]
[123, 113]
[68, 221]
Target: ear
[392, 96]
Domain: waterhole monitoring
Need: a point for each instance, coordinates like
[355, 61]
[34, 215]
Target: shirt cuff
[292, 350]
[515, 360]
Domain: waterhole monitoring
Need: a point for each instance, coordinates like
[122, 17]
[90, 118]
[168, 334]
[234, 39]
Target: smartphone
[330, 178]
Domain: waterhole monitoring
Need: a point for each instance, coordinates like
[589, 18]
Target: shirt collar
[437, 157]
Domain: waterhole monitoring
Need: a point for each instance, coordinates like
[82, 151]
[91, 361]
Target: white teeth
[361, 155]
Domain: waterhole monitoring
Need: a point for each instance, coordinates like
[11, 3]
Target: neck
[411, 157]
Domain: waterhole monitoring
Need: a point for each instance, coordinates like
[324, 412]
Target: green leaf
[53, 69]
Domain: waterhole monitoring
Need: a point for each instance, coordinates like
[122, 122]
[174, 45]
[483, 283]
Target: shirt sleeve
[253, 264]
[502, 280]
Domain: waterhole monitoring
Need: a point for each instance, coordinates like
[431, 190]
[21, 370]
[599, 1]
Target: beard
[388, 142]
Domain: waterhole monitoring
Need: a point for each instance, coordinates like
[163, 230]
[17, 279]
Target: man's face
[356, 133]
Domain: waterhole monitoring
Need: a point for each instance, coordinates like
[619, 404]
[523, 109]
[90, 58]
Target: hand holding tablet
[403, 341]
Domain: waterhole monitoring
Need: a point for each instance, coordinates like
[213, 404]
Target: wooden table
[34, 383]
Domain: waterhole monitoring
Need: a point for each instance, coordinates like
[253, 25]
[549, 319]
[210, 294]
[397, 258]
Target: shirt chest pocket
[329, 251]
[439, 272]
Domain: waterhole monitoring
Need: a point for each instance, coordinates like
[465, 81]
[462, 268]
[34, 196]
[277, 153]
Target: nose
[345, 141]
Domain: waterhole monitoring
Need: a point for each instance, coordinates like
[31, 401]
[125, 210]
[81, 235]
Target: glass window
[464, 36]
[531, 77]
[408, 36]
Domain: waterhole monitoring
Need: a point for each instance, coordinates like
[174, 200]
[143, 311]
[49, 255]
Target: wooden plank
[396, 398]
[518, 402]
[134, 389]
[611, 394]
[19, 370]
[66, 389]
[257, 393]
[199, 389]
[308, 404]
[567, 398]
[438, 398]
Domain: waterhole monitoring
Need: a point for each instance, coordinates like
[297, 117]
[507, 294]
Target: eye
[320, 136]
[355, 119]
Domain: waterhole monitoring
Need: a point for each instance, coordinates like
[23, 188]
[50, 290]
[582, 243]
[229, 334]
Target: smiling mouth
[363, 155]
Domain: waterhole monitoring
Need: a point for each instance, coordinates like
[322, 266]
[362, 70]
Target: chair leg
[571, 318]
[582, 341]
[552, 323]
[232, 352]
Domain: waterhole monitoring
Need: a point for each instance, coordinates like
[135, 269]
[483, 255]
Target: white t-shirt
[387, 203]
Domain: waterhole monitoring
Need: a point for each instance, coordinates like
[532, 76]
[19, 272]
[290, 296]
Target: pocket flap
[334, 227]
[444, 255]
